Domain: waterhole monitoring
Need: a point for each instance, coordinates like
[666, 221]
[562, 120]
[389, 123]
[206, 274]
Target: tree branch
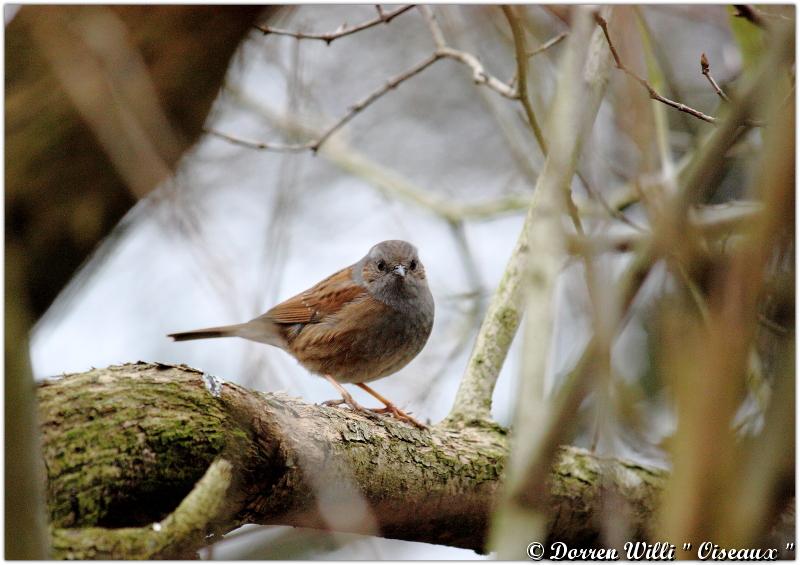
[539, 424]
[555, 40]
[390, 84]
[712, 222]
[388, 181]
[522, 56]
[329, 37]
[541, 232]
[522, 75]
[652, 91]
[479, 73]
[703, 171]
[127, 444]
[355, 109]
[177, 536]
[705, 68]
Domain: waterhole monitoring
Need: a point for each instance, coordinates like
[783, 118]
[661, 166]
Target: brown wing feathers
[318, 302]
[284, 322]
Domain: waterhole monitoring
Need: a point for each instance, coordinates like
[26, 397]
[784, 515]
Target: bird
[362, 323]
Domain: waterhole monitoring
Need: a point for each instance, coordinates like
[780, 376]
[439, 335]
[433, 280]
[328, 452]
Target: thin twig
[542, 48]
[391, 84]
[383, 18]
[348, 159]
[548, 44]
[652, 91]
[522, 90]
[711, 222]
[355, 109]
[385, 179]
[433, 25]
[609, 209]
[705, 68]
[479, 74]
[522, 75]
[280, 147]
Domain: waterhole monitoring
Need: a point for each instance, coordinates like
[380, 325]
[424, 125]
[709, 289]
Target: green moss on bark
[125, 451]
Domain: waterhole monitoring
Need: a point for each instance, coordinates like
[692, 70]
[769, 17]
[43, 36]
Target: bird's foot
[335, 402]
[353, 405]
[400, 415]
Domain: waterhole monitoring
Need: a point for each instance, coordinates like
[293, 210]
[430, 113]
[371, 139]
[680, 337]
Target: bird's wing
[323, 299]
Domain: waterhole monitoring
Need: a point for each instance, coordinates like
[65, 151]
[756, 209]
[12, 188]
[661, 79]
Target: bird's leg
[391, 408]
[346, 398]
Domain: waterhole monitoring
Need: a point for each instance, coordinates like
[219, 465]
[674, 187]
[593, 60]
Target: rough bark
[125, 446]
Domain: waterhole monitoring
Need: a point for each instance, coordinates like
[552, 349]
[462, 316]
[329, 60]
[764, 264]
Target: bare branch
[281, 147]
[710, 221]
[391, 84]
[522, 75]
[582, 79]
[355, 109]
[383, 18]
[652, 91]
[542, 48]
[522, 90]
[548, 44]
[529, 275]
[388, 181]
[436, 31]
[705, 68]
[703, 173]
[479, 74]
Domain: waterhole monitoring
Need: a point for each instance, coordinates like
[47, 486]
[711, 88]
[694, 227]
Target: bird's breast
[365, 340]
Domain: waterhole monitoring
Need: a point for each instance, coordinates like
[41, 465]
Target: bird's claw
[353, 405]
[334, 402]
[400, 415]
[372, 413]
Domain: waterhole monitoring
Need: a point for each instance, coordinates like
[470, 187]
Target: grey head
[393, 274]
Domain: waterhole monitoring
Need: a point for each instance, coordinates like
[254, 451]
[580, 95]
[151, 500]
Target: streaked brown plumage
[362, 323]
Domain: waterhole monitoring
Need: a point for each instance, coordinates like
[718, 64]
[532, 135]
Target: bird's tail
[205, 333]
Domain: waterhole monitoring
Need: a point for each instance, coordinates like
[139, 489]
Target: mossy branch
[177, 536]
[126, 446]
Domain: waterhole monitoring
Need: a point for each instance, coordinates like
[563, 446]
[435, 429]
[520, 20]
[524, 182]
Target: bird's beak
[400, 270]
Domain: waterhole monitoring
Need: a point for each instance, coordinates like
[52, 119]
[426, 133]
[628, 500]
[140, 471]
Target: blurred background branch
[72, 115]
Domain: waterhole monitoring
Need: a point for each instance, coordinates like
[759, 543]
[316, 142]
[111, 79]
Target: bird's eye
[381, 265]
[412, 265]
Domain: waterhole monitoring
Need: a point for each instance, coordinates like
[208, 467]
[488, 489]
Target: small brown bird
[365, 322]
